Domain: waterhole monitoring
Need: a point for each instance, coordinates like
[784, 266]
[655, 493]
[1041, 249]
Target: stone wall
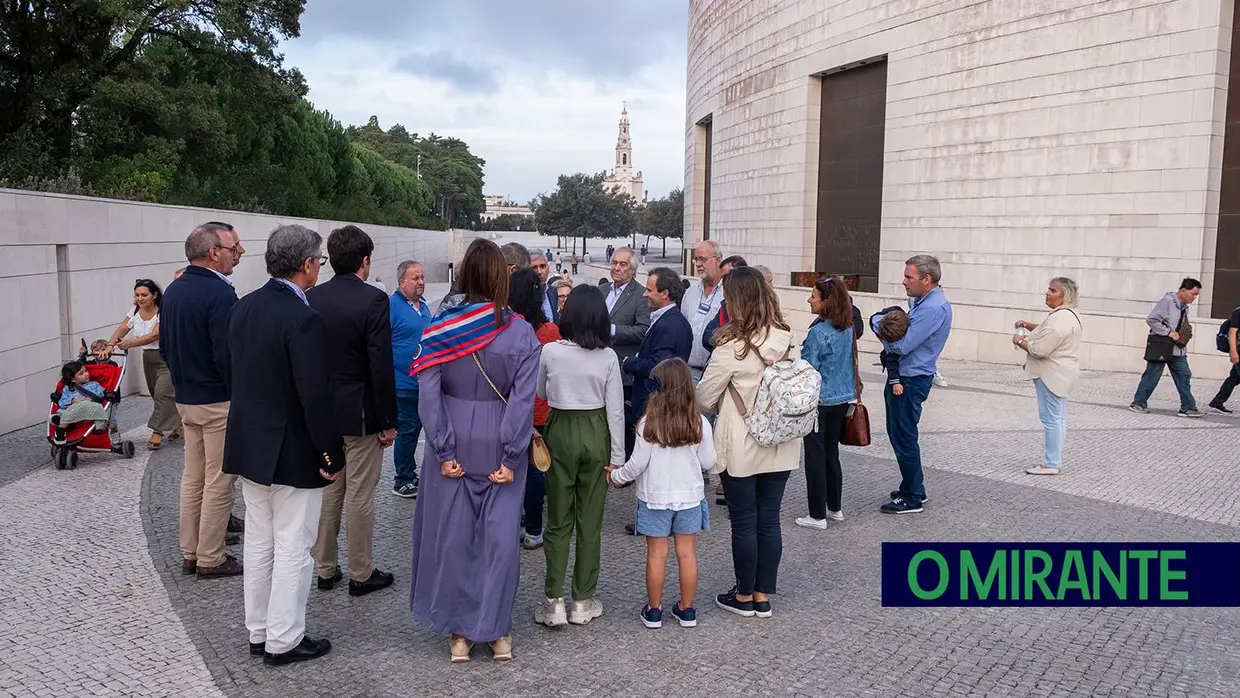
[68, 265]
[1023, 140]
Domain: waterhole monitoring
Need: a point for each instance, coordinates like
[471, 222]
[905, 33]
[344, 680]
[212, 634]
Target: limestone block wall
[68, 266]
[1023, 140]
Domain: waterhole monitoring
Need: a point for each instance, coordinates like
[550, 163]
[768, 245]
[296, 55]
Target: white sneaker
[939, 380]
[551, 613]
[811, 522]
[1042, 470]
[585, 611]
[835, 515]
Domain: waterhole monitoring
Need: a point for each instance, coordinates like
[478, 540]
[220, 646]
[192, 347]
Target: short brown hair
[484, 276]
[893, 326]
[672, 416]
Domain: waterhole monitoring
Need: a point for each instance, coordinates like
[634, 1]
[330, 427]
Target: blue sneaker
[686, 616]
[652, 617]
[900, 505]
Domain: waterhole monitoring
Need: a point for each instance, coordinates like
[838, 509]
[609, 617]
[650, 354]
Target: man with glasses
[193, 342]
[703, 299]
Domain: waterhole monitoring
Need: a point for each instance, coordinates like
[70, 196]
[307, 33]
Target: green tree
[581, 208]
[663, 218]
[508, 221]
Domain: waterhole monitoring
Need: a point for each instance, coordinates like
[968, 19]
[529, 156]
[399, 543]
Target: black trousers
[757, 540]
[824, 479]
[1224, 392]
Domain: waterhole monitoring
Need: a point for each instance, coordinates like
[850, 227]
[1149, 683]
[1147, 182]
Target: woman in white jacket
[754, 476]
[1052, 366]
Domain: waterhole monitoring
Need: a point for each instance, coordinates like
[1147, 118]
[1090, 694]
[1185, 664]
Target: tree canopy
[188, 103]
[663, 218]
[581, 208]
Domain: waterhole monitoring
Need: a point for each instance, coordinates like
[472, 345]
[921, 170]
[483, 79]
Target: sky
[534, 87]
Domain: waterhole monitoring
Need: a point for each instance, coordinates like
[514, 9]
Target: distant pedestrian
[1167, 346]
[1053, 366]
[574, 262]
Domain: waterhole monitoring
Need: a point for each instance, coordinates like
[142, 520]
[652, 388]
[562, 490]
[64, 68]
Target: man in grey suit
[630, 320]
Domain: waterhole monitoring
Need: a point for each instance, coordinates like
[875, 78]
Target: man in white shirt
[702, 300]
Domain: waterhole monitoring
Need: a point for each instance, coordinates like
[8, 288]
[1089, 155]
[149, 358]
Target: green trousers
[580, 445]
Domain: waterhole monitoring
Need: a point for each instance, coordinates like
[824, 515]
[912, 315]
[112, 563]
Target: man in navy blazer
[283, 440]
[670, 335]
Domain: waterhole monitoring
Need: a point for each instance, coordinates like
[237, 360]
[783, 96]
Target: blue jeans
[1053, 410]
[1179, 373]
[535, 497]
[903, 415]
[409, 427]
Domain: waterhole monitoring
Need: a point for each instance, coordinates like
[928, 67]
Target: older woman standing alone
[1053, 366]
[143, 321]
[477, 370]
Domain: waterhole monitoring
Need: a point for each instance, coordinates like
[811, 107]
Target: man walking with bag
[1167, 345]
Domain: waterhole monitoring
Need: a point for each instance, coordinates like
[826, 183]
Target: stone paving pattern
[74, 540]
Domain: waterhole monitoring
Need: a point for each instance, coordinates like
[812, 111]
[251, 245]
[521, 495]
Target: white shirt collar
[225, 278]
[655, 315]
[296, 289]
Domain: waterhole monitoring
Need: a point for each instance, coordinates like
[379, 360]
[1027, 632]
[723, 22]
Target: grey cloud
[603, 40]
[444, 66]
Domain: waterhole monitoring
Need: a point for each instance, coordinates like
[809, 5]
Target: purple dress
[466, 549]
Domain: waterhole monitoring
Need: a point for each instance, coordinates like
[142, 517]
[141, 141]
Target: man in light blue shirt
[930, 322]
[409, 316]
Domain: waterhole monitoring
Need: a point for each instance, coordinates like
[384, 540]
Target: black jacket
[669, 337]
[359, 360]
[282, 422]
[193, 335]
[553, 296]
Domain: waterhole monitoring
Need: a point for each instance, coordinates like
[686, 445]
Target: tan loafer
[501, 649]
[459, 648]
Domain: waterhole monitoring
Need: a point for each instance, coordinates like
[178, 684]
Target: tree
[663, 218]
[509, 221]
[581, 207]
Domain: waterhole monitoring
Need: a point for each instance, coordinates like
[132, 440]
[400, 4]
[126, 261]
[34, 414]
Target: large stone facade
[1017, 141]
[68, 265]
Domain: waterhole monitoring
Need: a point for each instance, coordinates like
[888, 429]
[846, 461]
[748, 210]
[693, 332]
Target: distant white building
[498, 205]
[622, 177]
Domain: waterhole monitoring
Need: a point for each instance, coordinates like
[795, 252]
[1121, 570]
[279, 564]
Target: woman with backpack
[754, 476]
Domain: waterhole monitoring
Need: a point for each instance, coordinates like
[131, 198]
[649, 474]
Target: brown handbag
[540, 455]
[857, 423]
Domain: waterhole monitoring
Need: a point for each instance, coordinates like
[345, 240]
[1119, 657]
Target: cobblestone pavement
[72, 543]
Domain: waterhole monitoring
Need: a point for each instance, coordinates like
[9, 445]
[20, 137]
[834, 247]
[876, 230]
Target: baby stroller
[85, 437]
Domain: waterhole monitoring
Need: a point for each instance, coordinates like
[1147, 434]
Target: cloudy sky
[535, 87]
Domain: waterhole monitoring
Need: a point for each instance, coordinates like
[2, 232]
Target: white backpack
[787, 404]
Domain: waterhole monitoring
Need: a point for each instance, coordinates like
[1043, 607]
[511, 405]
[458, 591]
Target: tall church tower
[622, 177]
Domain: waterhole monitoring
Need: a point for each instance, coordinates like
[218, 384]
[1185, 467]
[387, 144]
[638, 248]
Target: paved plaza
[93, 602]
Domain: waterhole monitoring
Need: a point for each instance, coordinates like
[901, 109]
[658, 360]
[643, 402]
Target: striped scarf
[457, 332]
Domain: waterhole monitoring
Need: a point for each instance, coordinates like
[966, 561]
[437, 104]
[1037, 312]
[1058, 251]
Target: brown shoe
[155, 442]
[501, 649]
[230, 568]
[189, 566]
[459, 649]
[236, 524]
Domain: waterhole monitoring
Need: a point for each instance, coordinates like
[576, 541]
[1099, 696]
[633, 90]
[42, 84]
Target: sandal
[501, 649]
[154, 443]
[176, 434]
[459, 647]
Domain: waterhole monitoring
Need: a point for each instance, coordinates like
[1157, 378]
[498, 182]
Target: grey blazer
[631, 316]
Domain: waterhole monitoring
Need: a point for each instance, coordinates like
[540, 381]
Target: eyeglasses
[232, 249]
[321, 259]
[702, 259]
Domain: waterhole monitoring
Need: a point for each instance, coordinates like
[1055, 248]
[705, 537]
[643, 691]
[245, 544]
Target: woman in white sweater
[1052, 366]
[579, 377]
[754, 476]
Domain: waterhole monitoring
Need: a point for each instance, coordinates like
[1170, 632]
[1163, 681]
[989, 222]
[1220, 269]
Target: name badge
[704, 307]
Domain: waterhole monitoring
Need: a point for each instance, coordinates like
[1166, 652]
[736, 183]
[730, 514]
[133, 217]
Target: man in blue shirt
[409, 315]
[930, 322]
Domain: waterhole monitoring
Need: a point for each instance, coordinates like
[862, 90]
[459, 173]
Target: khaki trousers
[354, 493]
[206, 492]
[164, 416]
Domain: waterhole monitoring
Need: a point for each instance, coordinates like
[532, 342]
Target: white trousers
[280, 527]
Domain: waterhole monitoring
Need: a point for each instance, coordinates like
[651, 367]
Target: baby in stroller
[82, 400]
[83, 413]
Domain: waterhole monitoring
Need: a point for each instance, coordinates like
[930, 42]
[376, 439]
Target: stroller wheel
[128, 449]
[62, 458]
[54, 450]
[73, 460]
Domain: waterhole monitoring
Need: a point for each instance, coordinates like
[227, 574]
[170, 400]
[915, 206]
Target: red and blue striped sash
[458, 332]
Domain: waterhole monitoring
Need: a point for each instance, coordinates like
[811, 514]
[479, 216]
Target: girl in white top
[140, 330]
[674, 445]
[579, 377]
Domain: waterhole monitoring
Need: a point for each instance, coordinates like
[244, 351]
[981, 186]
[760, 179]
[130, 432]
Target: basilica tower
[622, 177]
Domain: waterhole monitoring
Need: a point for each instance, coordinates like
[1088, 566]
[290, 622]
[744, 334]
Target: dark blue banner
[1061, 574]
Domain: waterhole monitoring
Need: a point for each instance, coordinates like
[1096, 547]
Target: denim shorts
[661, 523]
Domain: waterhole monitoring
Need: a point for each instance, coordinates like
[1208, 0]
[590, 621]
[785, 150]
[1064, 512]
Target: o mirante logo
[1061, 574]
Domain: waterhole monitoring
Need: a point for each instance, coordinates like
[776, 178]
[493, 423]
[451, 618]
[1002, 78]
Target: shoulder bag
[857, 423]
[540, 455]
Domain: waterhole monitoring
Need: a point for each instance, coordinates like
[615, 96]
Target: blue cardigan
[193, 336]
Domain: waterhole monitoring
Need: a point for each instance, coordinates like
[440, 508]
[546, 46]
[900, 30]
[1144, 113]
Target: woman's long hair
[836, 303]
[484, 276]
[156, 292]
[754, 308]
[672, 415]
[525, 297]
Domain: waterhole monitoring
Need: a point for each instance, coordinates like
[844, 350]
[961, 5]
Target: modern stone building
[1016, 140]
[622, 178]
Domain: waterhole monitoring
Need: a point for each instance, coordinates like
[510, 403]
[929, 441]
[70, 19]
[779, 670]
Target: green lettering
[1015, 593]
[1166, 575]
[971, 577]
[1038, 577]
[1073, 576]
[944, 575]
[1102, 568]
[1143, 571]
